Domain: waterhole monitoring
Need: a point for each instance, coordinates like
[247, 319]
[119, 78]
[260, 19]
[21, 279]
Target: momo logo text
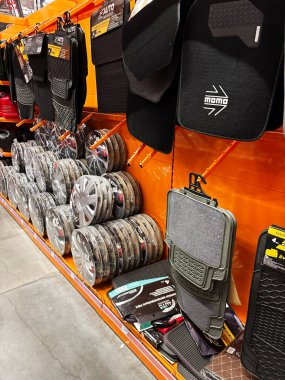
[216, 100]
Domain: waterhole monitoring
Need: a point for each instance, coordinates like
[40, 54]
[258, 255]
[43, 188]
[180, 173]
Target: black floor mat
[180, 341]
[151, 44]
[263, 350]
[186, 373]
[231, 57]
[159, 269]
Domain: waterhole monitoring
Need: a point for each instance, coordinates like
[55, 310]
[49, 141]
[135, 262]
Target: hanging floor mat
[37, 50]
[23, 85]
[201, 237]
[8, 62]
[106, 47]
[63, 51]
[151, 52]
[231, 60]
[263, 350]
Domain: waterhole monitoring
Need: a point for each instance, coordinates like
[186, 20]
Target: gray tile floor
[47, 330]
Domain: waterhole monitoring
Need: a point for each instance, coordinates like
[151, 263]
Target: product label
[24, 64]
[34, 44]
[275, 249]
[147, 301]
[108, 17]
[59, 47]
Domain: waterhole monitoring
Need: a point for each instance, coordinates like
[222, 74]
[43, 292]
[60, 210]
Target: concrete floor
[47, 330]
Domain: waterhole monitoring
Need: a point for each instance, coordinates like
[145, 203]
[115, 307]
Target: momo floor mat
[263, 350]
[231, 60]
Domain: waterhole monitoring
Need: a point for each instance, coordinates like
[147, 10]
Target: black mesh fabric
[263, 351]
[231, 59]
[42, 90]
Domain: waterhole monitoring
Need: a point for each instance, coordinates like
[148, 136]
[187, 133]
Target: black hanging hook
[59, 22]
[195, 186]
[67, 18]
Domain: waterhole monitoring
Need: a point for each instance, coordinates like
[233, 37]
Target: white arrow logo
[216, 101]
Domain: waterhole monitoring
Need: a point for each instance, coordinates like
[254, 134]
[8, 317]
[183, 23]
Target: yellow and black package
[110, 16]
[275, 249]
[59, 46]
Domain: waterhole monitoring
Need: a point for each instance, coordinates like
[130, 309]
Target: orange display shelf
[4, 83]
[12, 120]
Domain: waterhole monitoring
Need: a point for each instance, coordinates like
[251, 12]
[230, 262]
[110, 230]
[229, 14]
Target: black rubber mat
[159, 269]
[111, 80]
[186, 373]
[231, 57]
[180, 341]
[263, 350]
[42, 90]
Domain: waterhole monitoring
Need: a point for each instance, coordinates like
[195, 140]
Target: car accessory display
[109, 156]
[64, 175]
[232, 64]
[36, 48]
[5, 172]
[12, 181]
[39, 204]
[91, 200]
[264, 344]
[23, 191]
[59, 227]
[201, 264]
[151, 51]
[106, 48]
[42, 166]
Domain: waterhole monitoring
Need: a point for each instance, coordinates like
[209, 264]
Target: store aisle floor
[47, 330]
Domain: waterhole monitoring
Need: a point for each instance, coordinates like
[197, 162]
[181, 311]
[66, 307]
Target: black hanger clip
[38, 24]
[67, 18]
[59, 22]
[195, 187]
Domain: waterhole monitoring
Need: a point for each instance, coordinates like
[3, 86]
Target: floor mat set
[193, 324]
[190, 62]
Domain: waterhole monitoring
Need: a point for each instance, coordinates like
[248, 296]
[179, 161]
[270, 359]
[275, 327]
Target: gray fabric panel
[196, 228]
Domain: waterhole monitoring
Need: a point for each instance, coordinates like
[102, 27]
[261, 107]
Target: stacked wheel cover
[42, 167]
[12, 181]
[108, 157]
[22, 195]
[5, 173]
[91, 200]
[65, 173]
[17, 150]
[30, 154]
[59, 227]
[39, 204]
[101, 252]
